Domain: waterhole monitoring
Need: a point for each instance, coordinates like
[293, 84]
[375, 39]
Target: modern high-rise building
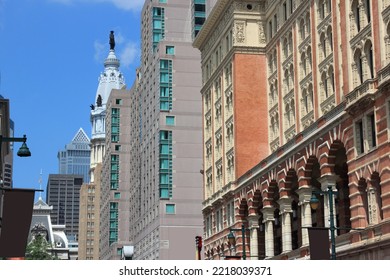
[110, 79]
[166, 145]
[115, 185]
[75, 159]
[63, 194]
[295, 103]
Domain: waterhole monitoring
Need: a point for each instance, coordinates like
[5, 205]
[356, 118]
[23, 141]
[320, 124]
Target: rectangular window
[164, 193]
[170, 120]
[371, 132]
[117, 195]
[170, 50]
[170, 209]
[359, 137]
[118, 101]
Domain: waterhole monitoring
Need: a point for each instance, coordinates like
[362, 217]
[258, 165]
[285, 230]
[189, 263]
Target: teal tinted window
[170, 120]
[170, 50]
[170, 208]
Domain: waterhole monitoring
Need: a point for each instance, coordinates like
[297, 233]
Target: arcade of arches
[275, 206]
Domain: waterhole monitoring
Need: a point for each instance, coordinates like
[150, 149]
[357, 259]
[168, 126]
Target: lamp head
[231, 238]
[314, 202]
[24, 151]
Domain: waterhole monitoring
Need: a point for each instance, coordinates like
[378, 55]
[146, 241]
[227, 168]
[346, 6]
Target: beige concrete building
[115, 185]
[89, 221]
[314, 77]
[166, 185]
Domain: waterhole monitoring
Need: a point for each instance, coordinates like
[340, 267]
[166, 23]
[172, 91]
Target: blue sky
[51, 55]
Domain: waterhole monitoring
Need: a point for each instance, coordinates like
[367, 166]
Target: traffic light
[198, 242]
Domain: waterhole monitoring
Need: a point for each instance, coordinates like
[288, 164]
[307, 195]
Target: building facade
[115, 185]
[6, 156]
[89, 219]
[166, 193]
[63, 194]
[75, 159]
[110, 78]
[323, 111]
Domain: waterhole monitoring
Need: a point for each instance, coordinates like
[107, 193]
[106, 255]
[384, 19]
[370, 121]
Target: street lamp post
[314, 202]
[22, 152]
[232, 239]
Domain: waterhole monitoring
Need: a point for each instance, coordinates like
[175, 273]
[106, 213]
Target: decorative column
[326, 181]
[254, 227]
[305, 193]
[285, 213]
[268, 219]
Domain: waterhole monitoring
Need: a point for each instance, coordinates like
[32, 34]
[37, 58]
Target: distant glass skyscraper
[75, 159]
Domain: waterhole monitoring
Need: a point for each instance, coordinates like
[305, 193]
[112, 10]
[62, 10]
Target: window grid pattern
[113, 233]
[165, 85]
[165, 164]
[115, 124]
[158, 25]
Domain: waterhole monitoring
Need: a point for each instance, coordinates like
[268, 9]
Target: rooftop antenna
[40, 185]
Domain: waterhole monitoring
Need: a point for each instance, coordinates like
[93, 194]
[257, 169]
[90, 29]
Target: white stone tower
[110, 79]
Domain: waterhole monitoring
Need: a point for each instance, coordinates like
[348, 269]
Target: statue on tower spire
[112, 40]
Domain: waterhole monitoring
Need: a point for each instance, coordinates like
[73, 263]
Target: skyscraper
[75, 159]
[165, 179]
[63, 193]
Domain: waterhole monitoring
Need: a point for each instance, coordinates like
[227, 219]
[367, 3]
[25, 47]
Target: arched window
[286, 81]
[358, 67]
[330, 38]
[290, 43]
[367, 6]
[370, 59]
[275, 60]
[270, 63]
[302, 29]
[309, 64]
[323, 45]
[322, 8]
[308, 23]
[303, 65]
[305, 102]
[292, 111]
[285, 48]
[331, 79]
[288, 116]
[356, 14]
[310, 94]
[324, 81]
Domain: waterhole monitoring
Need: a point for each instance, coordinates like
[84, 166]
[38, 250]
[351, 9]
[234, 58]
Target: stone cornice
[208, 27]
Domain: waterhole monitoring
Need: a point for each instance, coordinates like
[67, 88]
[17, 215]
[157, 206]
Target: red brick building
[296, 100]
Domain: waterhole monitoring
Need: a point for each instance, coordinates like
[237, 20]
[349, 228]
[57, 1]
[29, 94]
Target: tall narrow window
[359, 137]
[371, 132]
[370, 60]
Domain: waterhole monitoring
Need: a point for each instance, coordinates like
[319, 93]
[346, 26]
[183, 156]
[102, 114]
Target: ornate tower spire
[111, 78]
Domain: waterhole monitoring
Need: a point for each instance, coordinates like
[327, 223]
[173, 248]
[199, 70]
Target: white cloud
[128, 5]
[129, 54]
[100, 51]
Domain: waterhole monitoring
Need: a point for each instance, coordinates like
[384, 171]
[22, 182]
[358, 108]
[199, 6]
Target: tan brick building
[296, 99]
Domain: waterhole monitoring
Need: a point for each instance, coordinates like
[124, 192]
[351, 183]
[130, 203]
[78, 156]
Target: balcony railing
[361, 96]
